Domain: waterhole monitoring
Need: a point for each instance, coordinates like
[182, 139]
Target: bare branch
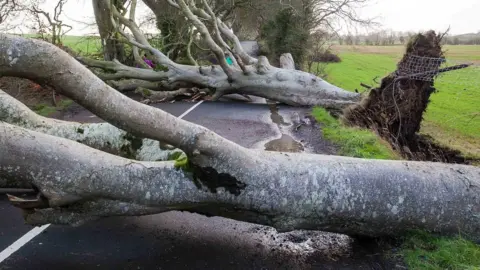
[8, 8]
[102, 136]
[189, 48]
[214, 47]
[123, 71]
[246, 59]
[141, 40]
[55, 23]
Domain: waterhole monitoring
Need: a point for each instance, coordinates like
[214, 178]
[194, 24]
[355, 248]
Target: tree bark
[286, 61]
[112, 48]
[255, 76]
[287, 191]
[101, 136]
[292, 87]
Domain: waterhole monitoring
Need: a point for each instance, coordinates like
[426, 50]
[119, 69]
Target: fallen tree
[246, 76]
[77, 183]
[394, 109]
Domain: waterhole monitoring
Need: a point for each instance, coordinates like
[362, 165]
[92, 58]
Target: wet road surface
[178, 240]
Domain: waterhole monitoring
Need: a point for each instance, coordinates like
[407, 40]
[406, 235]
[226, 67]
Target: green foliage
[46, 110]
[146, 92]
[285, 34]
[353, 142]
[181, 160]
[421, 250]
[159, 67]
[168, 29]
[175, 34]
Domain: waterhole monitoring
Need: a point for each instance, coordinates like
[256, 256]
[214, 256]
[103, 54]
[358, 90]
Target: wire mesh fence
[441, 70]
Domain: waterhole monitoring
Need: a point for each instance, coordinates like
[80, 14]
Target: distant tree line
[387, 37]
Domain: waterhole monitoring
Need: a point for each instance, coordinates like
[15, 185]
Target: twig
[366, 86]
[54, 99]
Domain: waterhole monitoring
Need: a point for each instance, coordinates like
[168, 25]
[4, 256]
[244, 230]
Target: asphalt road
[177, 240]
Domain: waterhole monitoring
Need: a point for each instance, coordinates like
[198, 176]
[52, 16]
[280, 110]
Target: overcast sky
[463, 16]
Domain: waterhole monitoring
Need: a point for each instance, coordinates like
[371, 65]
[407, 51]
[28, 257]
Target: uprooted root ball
[395, 109]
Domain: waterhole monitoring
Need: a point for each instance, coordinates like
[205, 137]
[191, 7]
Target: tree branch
[214, 47]
[337, 194]
[102, 136]
[218, 177]
[246, 59]
[141, 40]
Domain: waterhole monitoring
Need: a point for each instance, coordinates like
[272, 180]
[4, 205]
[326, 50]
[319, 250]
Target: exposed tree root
[395, 109]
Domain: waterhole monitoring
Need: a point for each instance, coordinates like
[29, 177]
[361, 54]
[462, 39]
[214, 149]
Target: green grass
[46, 110]
[452, 117]
[424, 251]
[358, 68]
[82, 44]
[353, 142]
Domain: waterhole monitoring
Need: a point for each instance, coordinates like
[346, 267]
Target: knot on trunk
[286, 61]
[263, 65]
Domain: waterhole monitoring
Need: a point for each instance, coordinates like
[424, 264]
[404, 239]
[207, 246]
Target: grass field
[453, 116]
[80, 44]
[84, 45]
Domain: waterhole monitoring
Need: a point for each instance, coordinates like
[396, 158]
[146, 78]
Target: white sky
[463, 16]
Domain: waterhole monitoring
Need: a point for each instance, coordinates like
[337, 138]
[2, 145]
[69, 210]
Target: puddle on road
[275, 116]
[285, 143]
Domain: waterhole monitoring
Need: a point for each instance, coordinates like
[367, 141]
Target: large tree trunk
[112, 48]
[285, 190]
[102, 136]
[292, 87]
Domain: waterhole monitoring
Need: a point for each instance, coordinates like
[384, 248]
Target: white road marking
[38, 230]
[21, 242]
[191, 109]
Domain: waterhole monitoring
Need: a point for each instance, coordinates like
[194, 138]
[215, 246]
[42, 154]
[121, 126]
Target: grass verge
[46, 110]
[353, 142]
[420, 250]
